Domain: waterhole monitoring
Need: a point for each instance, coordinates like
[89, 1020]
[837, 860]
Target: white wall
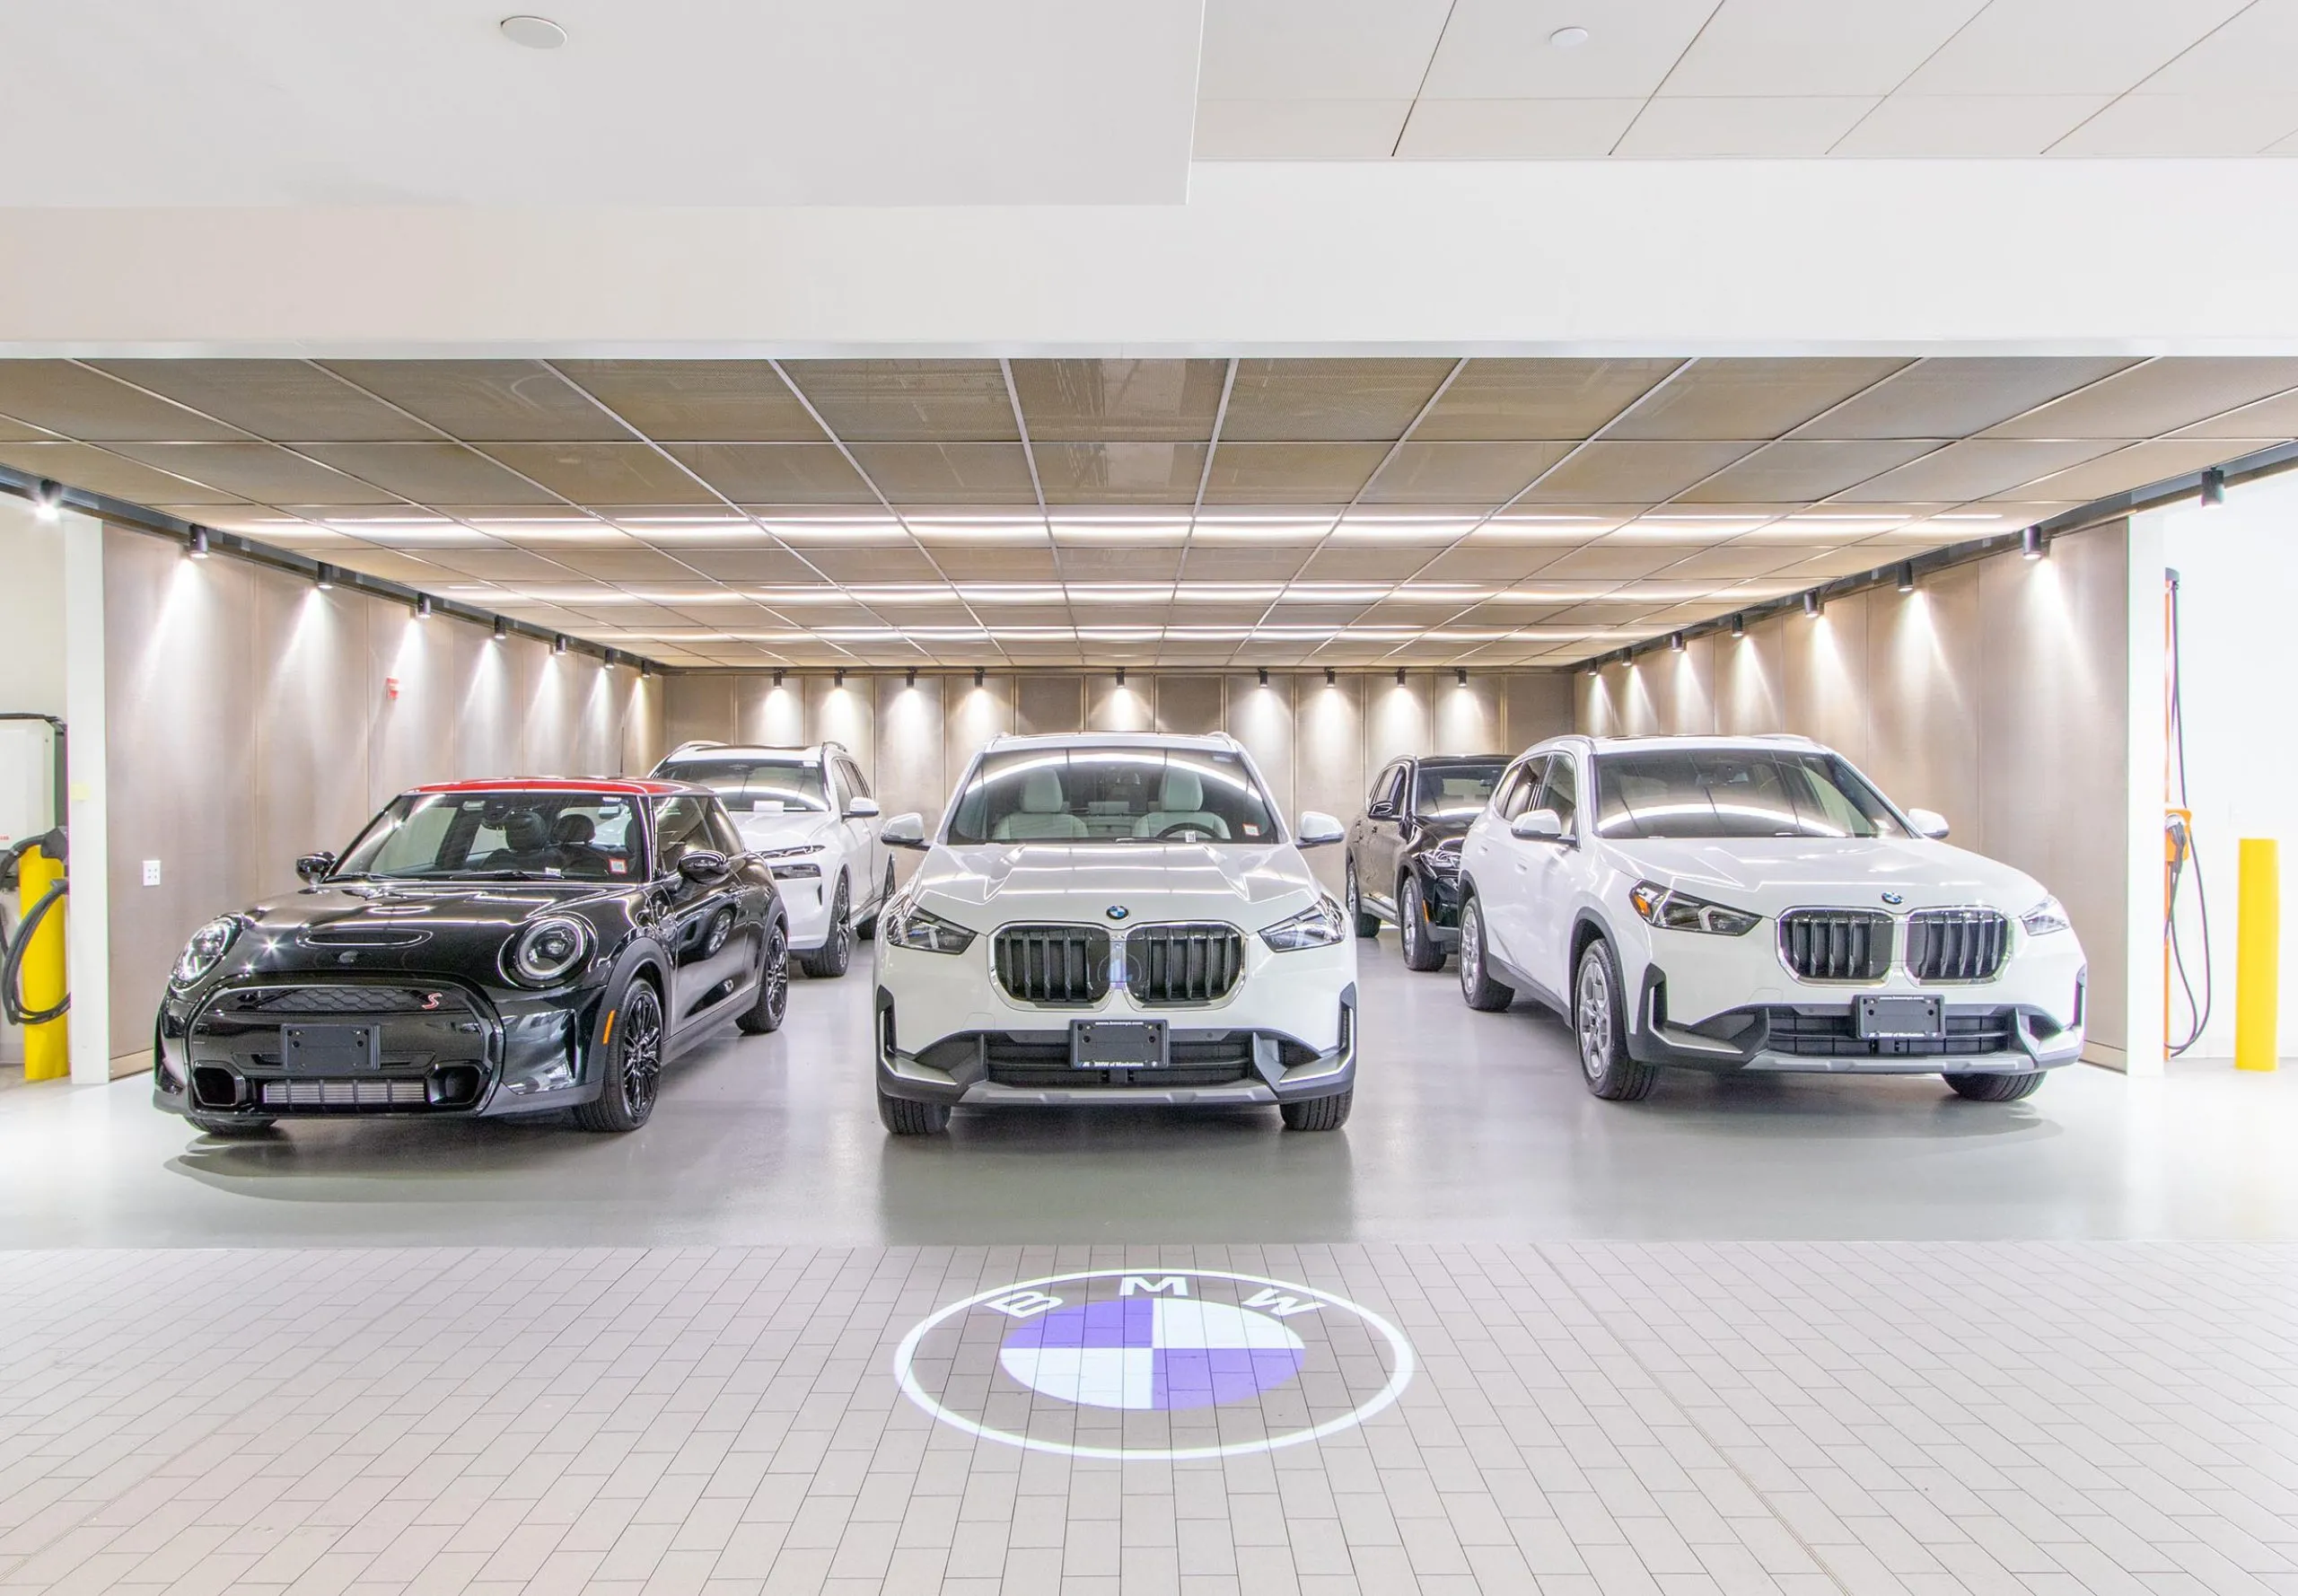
[2238, 570]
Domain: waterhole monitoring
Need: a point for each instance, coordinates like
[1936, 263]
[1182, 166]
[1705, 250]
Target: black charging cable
[12, 948]
[2185, 855]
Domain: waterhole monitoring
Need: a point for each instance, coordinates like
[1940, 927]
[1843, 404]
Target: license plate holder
[1117, 1044]
[1899, 1019]
[330, 1050]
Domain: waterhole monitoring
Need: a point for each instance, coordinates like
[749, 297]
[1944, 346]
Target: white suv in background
[808, 814]
[1754, 903]
[1114, 919]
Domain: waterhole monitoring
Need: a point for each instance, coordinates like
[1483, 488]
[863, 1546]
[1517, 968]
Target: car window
[841, 791]
[1112, 795]
[1383, 787]
[1737, 793]
[722, 835]
[1516, 794]
[855, 780]
[682, 825]
[1562, 791]
[1453, 792]
[580, 836]
[758, 787]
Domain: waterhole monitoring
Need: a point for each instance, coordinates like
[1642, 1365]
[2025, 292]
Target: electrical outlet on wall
[151, 872]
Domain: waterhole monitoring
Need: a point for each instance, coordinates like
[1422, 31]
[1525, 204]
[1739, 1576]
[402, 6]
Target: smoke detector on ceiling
[537, 33]
[1563, 39]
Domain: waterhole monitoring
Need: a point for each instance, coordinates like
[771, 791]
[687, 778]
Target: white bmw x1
[1755, 904]
[1114, 919]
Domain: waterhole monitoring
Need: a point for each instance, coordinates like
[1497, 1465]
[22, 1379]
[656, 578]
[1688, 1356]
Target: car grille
[1170, 966]
[344, 998]
[1039, 1060]
[1956, 945]
[1833, 1034]
[344, 1094]
[1065, 966]
[1836, 944]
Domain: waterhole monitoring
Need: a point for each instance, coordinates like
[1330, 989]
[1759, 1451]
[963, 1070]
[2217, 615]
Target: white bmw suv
[1753, 903]
[807, 813]
[1114, 919]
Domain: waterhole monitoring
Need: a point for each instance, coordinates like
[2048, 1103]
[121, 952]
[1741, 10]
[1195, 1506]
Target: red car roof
[555, 783]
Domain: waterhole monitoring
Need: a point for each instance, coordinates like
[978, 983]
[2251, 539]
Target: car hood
[763, 830]
[372, 927]
[999, 884]
[1768, 874]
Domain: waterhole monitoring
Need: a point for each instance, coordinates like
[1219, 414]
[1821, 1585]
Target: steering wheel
[1185, 831]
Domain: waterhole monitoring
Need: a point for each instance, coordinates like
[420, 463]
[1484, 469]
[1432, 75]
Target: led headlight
[205, 951]
[907, 925]
[2045, 917]
[1671, 910]
[1318, 927]
[1445, 858]
[795, 864]
[547, 952]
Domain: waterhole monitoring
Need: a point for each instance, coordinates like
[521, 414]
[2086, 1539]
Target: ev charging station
[33, 997]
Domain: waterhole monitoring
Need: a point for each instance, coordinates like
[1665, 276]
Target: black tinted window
[579, 835]
[1736, 792]
[1453, 792]
[1112, 795]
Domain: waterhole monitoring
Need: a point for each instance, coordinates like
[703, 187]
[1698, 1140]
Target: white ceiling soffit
[668, 102]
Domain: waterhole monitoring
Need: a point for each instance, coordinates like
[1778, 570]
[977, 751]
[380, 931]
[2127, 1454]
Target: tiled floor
[1722, 1418]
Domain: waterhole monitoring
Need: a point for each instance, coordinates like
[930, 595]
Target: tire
[1420, 950]
[632, 1076]
[1367, 925]
[1599, 1027]
[773, 1001]
[868, 925]
[1478, 988]
[830, 960]
[1319, 1113]
[904, 1118]
[1995, 1089]
[230, 1130]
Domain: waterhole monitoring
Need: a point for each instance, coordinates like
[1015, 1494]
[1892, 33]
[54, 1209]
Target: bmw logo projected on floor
[1153, 1365]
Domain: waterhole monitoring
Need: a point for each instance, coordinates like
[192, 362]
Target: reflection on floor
[1581, 1417]
[1468, 1126]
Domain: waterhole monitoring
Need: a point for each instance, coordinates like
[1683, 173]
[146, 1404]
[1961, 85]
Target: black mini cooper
[484, 948]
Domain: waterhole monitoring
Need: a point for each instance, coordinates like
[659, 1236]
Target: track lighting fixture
[1460, 675]
[1399, 676]
[909, 677]
[838, 677]
[1810, 606]
[1264, 676]
[422, 606]
[2213, 486]
[1330, 678]
[645, 669]
[558, 643]
[1739, 626]
[979, 676]
[2032, 544]
[325, 579]
[1907, 578]
[502, 630]
[196, 546]
[777, 678]
[1120, 676]
[1675, 643]
[47, 501]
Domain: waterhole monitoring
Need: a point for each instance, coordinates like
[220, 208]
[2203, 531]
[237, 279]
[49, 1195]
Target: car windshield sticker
[618, 867]
[1251, 830]
[1153, 1365]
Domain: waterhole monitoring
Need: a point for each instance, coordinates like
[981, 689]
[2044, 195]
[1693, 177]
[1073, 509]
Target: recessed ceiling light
[540, 33]
[1563, 39]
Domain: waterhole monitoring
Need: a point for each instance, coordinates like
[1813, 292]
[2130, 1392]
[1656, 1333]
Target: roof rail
[695, 747]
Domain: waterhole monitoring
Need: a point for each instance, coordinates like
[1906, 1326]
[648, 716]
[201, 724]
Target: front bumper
[946, 1032]
[1439, 893]
[805, 902]
[445, 1051]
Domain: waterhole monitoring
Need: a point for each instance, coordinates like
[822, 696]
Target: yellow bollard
[47, 1052]
[2257, 956]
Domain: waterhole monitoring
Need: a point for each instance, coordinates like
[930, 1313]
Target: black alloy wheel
[1421, 950]
[1366, 925]
[836, 952]
[773, 987]
[634, 1065]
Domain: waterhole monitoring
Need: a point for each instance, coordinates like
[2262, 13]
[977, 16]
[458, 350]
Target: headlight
[2045, 917]
[546, 951]
[1318, 927]
[205, 951]
[910, 926]
[1671, 910]
[1445, 858]
[796, 864]
[804, 850]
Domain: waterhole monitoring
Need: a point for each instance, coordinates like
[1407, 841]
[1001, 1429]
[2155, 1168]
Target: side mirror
[1317, 829]
[1927, 823]
[904, 831]
[1538, 825]
[702, 866]
[860, 809]
[1382, 810]
[313, 867]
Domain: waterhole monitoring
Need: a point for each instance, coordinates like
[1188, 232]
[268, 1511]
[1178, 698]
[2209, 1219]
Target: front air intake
[1060, 966]
[1173, 966]
[1836, 944]
[1956, 945]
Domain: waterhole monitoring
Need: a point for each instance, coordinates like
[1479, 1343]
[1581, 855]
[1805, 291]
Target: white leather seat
[1042, 817]
[1180, 802]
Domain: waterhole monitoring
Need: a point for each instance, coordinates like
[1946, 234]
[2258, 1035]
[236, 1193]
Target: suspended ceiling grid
[1345, 512]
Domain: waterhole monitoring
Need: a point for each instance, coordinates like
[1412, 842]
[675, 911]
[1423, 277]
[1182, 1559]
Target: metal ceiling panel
[1290, 473]
[909, 400]
[1329, 400]
[98, 470]
[1605, 472]
[1119, 401]
[699, 401]
[1505, 400]
[260, 471]
[776, 473]
[604, 475]
[1750, 398]
[1120, 473]
[1954, 398]
[2159, 397]
[65, 398]
[286, 401]
[1976, 467]
[937, 473]
[484, 401]
[1481, 474]
[431, 474]
[1798, 469]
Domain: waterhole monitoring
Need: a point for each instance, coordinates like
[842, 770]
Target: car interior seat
[570, 843]
[1041, 818]
[1180, 802]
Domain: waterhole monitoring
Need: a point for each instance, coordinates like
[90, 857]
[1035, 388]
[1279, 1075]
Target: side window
[681, 824]
[1384, 786]
[1516, 793]
[1561, 793]
[722, 835]
[841, 786]
[856, 783]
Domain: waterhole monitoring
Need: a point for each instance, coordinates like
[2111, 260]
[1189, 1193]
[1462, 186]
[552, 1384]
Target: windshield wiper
[499, 875]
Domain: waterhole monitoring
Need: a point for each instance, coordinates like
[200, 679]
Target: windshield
[1454, 792]
[758, 787]
[498, 836]
[1112, 795]
[1737, 793]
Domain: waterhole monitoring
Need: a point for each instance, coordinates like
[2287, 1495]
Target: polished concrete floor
[1468, 1126]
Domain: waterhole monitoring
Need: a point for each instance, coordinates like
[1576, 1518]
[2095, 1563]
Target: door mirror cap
[313, 867]
[904, 831]
[1927, 823]
[1317, 829]
[1382, 810]
[1538, 825]
[704, 866]
[860, 809]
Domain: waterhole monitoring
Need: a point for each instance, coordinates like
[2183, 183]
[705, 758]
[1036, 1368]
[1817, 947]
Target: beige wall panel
[1538, 706]
[1191, 705]
[977, 714]
[1261, 718]
[1048, 706]
[1470, 719]
[1110, 707]
[909, 772]
[1329, 767]
[845, 714]
[488, 738]
[774, 715]
[1924, 661]
[701, 708]
[642, 747]
[551, 706]
[1396, 720]
[313, 790]
[1826, 675]
[1748, 695]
